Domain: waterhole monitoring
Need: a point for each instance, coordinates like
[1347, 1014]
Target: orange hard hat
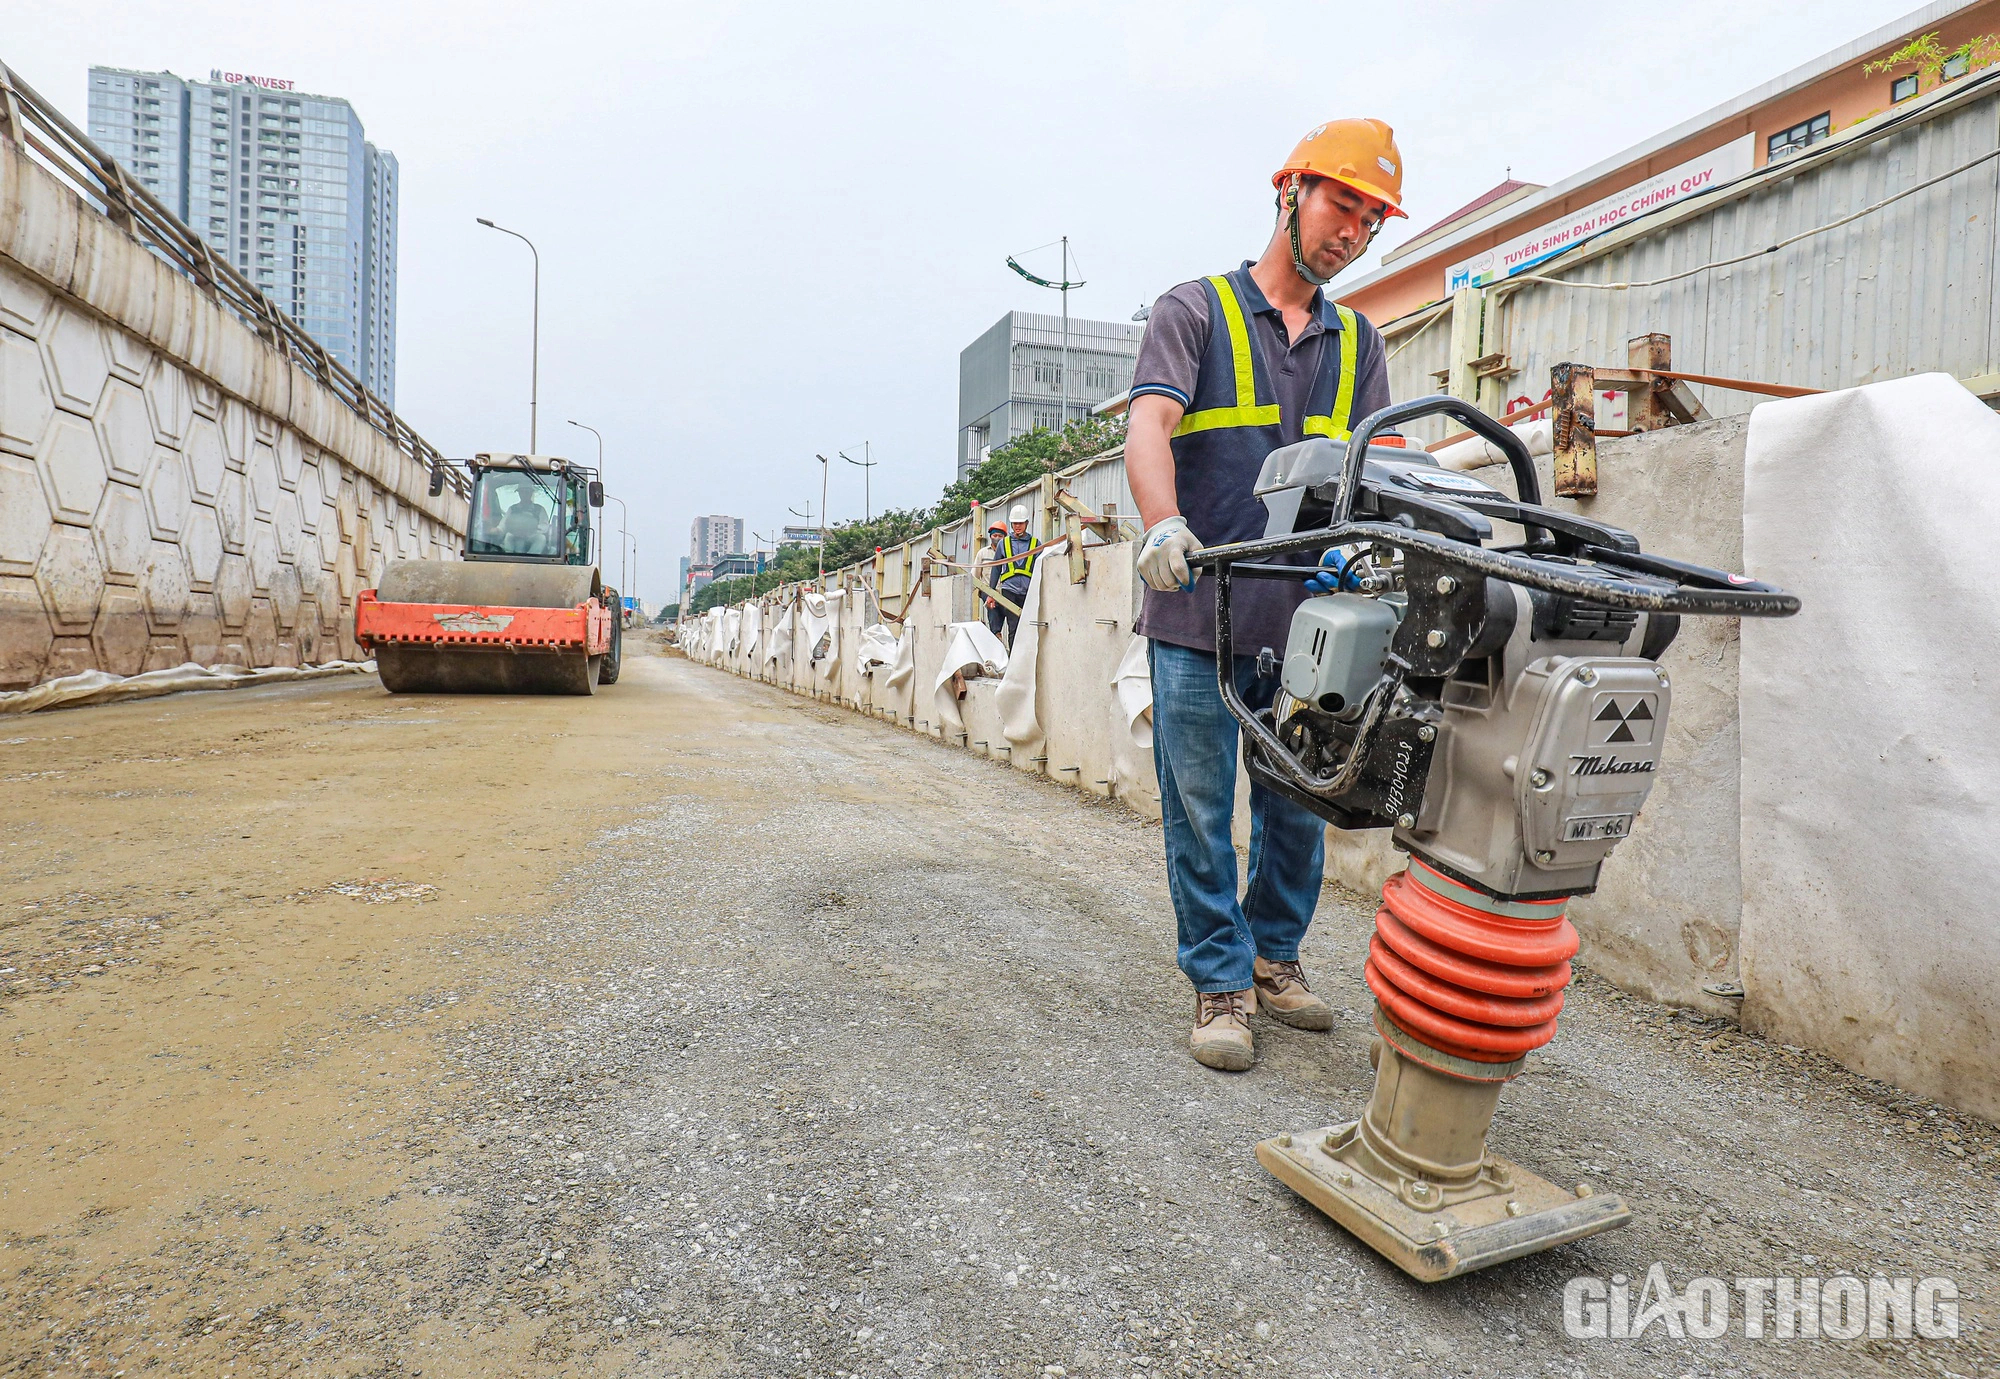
[1361, 154]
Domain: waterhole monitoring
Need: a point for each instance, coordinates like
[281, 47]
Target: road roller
[524, 611]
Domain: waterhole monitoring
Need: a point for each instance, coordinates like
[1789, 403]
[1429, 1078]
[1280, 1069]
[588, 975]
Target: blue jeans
[1195, 742]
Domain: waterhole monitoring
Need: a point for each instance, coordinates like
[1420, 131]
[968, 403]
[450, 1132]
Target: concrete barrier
[172, 488]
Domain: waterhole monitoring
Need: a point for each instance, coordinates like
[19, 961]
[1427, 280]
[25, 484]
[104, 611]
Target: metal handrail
[32, 122]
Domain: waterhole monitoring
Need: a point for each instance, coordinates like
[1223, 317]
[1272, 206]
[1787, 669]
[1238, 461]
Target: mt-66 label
[1596, 828]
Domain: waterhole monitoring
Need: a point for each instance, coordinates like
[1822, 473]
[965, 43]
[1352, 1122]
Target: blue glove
[1332, 573]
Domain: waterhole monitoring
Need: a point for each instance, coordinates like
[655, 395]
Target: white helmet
[1019, 514]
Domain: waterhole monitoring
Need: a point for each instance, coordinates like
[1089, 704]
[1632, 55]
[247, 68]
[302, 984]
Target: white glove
[1163, 556]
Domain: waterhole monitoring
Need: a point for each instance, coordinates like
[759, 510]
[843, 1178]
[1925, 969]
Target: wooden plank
[1574, 388]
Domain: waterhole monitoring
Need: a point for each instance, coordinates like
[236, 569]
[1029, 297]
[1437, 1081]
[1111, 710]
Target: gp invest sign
[1696, 175]
[244, 79]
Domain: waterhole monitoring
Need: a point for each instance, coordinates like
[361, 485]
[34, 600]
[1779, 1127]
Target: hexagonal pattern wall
[147, 518]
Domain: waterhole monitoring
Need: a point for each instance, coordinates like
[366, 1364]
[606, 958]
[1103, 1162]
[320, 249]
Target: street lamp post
[1063, 287]
[824, 466]
[535, 346]
[621, 502]
[864, 464]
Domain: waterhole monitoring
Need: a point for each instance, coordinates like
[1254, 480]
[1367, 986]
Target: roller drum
[446, 669]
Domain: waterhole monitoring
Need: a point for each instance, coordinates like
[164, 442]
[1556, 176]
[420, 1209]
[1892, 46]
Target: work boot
[1221, 1037]
[1281, 989]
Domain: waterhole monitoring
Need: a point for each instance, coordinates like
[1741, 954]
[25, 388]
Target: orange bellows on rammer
[1478, 986]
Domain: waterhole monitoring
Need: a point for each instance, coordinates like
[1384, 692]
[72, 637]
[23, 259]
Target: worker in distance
[1231, 368]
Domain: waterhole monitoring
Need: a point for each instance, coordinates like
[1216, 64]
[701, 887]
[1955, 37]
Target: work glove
[1332, 570]
[1163, 556]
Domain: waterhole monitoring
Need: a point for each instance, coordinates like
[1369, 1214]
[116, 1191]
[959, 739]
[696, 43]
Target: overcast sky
[768, 230]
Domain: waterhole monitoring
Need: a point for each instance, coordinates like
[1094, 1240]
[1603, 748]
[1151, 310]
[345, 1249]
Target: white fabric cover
[1020, 714]
[968, 646]
[778, 637]
[1871, 734]
[877, 650]
[732, 630]
[905, 663]
[753, 627]
[1132, 682]
[102, 687]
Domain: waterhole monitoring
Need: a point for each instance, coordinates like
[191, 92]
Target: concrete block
[263, 472]
[26, 401]
[71, 655]
[122, 532]
[170, 401]
[207, 459]
[73, 344]
[24, 303]
[72, 468]
[328, 532]
[124, 430]
[129, 355]
[310, 496]
[165, 652]
[24, 516]
[120, 637]
[285, 597]
[71, 578]
[166, 489]
[235, 419]
[260, 634]
[291, 457]
[285, 522]
[263, 552]
[201, 630]
[25, 634]
[163, 586]
[201, 540]
[233, 591]
[232, 505]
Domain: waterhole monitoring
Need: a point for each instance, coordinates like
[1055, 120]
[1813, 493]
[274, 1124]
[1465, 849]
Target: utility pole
[1063, 287]
[535, 346]
[865, 464]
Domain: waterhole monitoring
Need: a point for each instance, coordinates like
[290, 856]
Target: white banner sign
[1691, 178]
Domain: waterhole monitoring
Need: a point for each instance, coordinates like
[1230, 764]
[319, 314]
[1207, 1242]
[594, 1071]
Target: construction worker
[989, 559]
[1231, 368]
[1015, 553]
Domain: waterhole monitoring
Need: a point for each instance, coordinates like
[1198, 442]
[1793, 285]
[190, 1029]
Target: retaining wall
[172, 488]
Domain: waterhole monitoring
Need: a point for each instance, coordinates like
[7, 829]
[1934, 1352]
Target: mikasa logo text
[1607, 766]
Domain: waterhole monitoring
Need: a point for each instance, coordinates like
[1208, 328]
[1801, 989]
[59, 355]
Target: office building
[1010, 380]
[282, 184]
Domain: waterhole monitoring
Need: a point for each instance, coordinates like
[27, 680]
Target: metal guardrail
[29, 120]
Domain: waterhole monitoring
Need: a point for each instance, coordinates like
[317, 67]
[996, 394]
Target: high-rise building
[282, 184]
[1010, 380]
[713, 537]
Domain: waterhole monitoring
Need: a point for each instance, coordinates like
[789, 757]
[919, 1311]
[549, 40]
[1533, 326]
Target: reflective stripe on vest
[1247, 411]
[1018, 562]
[1339, 425]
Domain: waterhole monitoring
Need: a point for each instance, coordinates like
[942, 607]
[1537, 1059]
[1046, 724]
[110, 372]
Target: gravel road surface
[696, 1029]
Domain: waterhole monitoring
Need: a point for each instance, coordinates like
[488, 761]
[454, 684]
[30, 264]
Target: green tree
[1022, 461]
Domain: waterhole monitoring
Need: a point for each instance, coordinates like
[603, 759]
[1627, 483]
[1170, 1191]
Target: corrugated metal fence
[1901, 290]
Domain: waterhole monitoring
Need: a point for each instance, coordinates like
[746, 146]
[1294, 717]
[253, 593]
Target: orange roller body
[1467, 981]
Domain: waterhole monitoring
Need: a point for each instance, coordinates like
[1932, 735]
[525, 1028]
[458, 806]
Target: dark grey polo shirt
[1170, 356]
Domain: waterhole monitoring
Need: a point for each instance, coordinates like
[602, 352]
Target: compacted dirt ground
[695, 1029]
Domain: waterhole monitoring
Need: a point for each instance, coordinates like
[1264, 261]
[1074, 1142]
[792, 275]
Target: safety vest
[1226, 397]
[1020, 559]
[1231, 424]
